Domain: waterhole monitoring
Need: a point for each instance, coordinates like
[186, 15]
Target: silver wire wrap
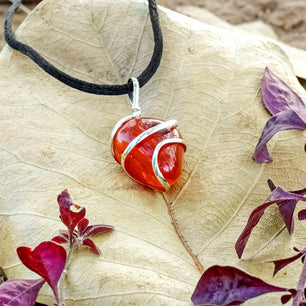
[155, 165]
[164, 126]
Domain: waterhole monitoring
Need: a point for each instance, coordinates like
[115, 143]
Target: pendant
[151, 151]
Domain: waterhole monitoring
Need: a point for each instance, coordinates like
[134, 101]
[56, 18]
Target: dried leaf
[54, 137]
[258, 29]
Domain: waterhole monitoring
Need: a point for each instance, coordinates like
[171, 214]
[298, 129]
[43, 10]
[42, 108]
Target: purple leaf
[285, 120]
[64, 233]
[17, 292]
[80, 236]
[282, 198]
[281, 263]
[286, 298]
[70, 213]
[226, 285]
[59, 239]
[271, 184]
[92, 245]
[252, 222]
[277, 95]
[83, 234]
[287, 108]
[286, 209]
[97, 229]
[48, 260]
[302, 214]
[82, 225]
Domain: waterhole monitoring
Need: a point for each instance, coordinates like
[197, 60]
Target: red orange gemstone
[138, 163]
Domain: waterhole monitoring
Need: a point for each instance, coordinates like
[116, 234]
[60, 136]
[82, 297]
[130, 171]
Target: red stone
[138, 164]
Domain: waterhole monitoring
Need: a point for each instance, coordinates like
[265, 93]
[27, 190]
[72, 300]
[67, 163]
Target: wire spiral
[164, 126]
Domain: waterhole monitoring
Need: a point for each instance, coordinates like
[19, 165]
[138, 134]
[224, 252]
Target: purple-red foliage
[48, 259]
[287, 109]
[226, 285]
[17, 292]
[286, 202]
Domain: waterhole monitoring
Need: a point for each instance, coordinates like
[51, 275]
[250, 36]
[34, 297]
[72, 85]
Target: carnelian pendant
[151, 151]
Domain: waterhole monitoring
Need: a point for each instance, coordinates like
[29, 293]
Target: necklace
[149, 150]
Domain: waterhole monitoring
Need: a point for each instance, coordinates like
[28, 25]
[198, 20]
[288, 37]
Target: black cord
[97, 89]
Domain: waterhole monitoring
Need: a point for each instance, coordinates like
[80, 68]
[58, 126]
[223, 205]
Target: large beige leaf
[257, 29]
[54, 137]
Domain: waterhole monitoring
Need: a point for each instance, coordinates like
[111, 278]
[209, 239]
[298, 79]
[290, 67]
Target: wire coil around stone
[161, 128]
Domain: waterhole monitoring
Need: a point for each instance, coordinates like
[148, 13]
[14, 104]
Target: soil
[287, 17]
[18, 18]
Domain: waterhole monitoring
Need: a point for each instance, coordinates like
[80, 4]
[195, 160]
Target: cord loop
[98, 89]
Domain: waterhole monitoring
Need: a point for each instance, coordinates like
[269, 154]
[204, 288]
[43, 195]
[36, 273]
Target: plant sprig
[49, 259]
[227, 285]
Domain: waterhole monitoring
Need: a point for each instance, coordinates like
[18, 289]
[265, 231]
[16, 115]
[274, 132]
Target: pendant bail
[134, 97]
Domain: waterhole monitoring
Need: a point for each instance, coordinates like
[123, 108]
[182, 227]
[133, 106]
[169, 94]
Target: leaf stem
[181, 237]
[61, 287]
[300, 296]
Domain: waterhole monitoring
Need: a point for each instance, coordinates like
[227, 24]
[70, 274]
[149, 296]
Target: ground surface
[287, 17]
